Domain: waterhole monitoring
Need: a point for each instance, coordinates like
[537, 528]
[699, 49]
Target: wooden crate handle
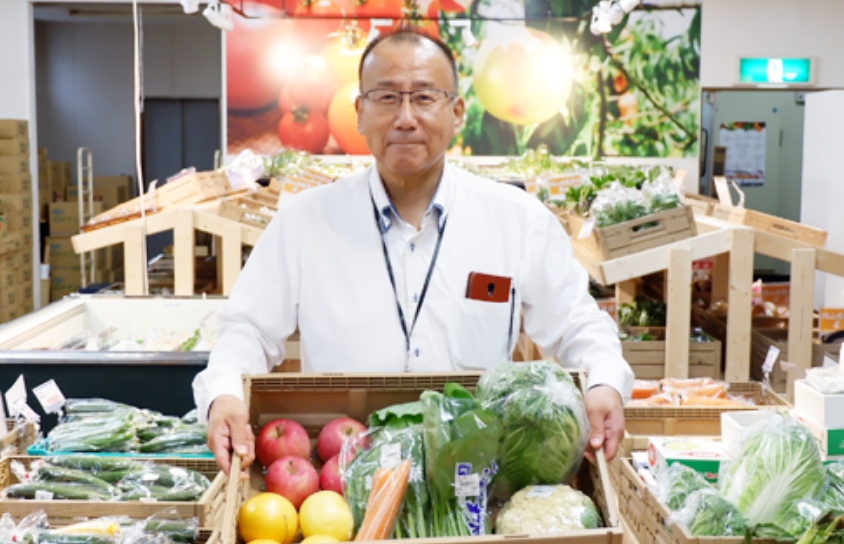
[609, 495]
[229, 522]
[783, 229]
[656, 229]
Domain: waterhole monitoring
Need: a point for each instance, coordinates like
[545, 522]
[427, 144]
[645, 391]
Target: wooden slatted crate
[20, 436]
[647, 358]
[762, 340]
[771, 224]
[624, 239]
[700, 204]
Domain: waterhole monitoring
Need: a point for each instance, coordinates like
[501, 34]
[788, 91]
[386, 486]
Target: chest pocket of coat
[479, 339]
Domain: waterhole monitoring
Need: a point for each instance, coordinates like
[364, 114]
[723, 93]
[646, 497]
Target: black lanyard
[407, 333]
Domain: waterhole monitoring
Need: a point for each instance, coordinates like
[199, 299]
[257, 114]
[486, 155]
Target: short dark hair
[408, 33]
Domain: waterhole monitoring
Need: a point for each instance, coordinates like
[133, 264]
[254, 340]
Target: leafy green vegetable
[191, 342]
[642, 312]
[778, 464]
[398, 416]
[414, 519]
[545, 426]
[707, 513]
[833, 496]
[459, 435]
[678, 482]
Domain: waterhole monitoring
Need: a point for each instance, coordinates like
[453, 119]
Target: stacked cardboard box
[65, 263]
[15, 221]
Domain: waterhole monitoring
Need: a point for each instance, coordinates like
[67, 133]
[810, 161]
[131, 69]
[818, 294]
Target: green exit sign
[777, 71]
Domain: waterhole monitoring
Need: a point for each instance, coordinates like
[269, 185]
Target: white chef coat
[320, 266]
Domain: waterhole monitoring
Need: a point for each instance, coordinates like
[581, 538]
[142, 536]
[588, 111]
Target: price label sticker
[50, 396]
[391, 455]
[770, 359]
[540, 492]
[832, 319]
[468, 485]
[587, 228]
[149, 477]
[15, 395]
[148, 499]
[42, 495]
[28, 413]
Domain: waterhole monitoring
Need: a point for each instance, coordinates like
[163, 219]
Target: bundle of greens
[677, 483]
[642, 312]
[708, 513]
[396, 434]
[545, 425]
[777, 465]
[461, 445]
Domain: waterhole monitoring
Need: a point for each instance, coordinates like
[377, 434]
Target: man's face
[406, 139]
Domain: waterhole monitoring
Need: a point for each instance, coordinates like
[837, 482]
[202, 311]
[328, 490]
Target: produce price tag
[540, 492]
[149, 477]
[15, 394]
[587, 228]
[680, 177]
[50, 396]
[558, 185]
[770, 359]
[148, 499]
[829, 362]
[532, 186]
[391, 455]
[466, 483]
[28, 413]
[42, 495]
[832, 319]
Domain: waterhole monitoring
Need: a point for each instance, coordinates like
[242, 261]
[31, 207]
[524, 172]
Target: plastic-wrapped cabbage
[833, 496]
[778, 464]
[547, 509]
[617, 204]
[545, 425]
[804, 514]
[677, 483]
[707, 513]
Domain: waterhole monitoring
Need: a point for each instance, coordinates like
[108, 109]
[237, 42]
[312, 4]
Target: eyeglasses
[423, 100]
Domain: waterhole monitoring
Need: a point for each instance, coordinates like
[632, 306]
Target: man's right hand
[229, 430]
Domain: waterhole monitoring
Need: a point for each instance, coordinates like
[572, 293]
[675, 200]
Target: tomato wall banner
[530, 71]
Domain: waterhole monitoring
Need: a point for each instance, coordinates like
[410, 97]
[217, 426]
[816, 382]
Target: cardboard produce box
[45, 292]
[67, 173]
[18, 164]
[58, 252]
[699, 454]
[57, 181]
[10, 313]
[64, 217]
[9, 278]
[110, 196]
[64, 281]
[13, 128]
[11, 184]
[18, 145]
[11, 260]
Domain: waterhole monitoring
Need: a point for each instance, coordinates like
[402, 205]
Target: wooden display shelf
[635, 235]
[183, 222]
[771, 224]
[761, 342]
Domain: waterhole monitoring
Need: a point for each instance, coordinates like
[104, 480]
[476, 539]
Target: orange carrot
[715, 390]
[691, 400]
[381, 476]
[662, 399]
[381, 516]
[643, 389]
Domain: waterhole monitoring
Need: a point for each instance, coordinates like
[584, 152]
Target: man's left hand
[606, 417]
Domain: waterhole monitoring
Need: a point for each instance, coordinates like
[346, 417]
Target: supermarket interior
[315, 271]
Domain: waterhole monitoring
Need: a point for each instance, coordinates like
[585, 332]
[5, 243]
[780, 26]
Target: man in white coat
[374, 270]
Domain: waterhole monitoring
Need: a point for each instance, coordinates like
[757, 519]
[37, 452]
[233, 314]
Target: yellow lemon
[319, 539]
[326, 513]
[268, 516]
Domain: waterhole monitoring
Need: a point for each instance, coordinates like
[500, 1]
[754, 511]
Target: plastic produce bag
[677, 483]
[617, 204]
[114, 433]
[708, 513]
[661, 194]
[778, 464]
[163, 483]
[386, 496]
[833, 495]
[389, 446]
[177, 439]
[545, 425]
[461, 445]
[547, 509]
[829, 381]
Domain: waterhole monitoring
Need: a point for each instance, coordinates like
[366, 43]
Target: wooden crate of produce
[700, 204]
[697, 421]
[315, 399]
[20, 436]
[771, 224]
[623, 239]
[205, 509]
[647, 358]
[246, 210]
[761, 341]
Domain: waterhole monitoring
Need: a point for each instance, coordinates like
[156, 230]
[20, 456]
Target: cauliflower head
[539, 509]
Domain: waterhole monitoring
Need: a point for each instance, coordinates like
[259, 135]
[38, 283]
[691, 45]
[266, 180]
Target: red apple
[332, 436]
[293, 478]
[281, 438]
[330, 478]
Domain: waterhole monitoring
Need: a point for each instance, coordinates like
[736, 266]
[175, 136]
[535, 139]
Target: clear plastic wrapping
[829, 381]
[545, 428]
[777, 465]
[617, 204]
[547, 509]
[389, 447]
[676, 484]
[661, 194]
[163, 483]
[708, 513]
[115, 432]
[461, 446]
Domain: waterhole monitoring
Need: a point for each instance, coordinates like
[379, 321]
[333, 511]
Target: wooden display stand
[183, 222]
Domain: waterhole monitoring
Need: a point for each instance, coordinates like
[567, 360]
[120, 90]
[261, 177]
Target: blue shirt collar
[387, 212]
